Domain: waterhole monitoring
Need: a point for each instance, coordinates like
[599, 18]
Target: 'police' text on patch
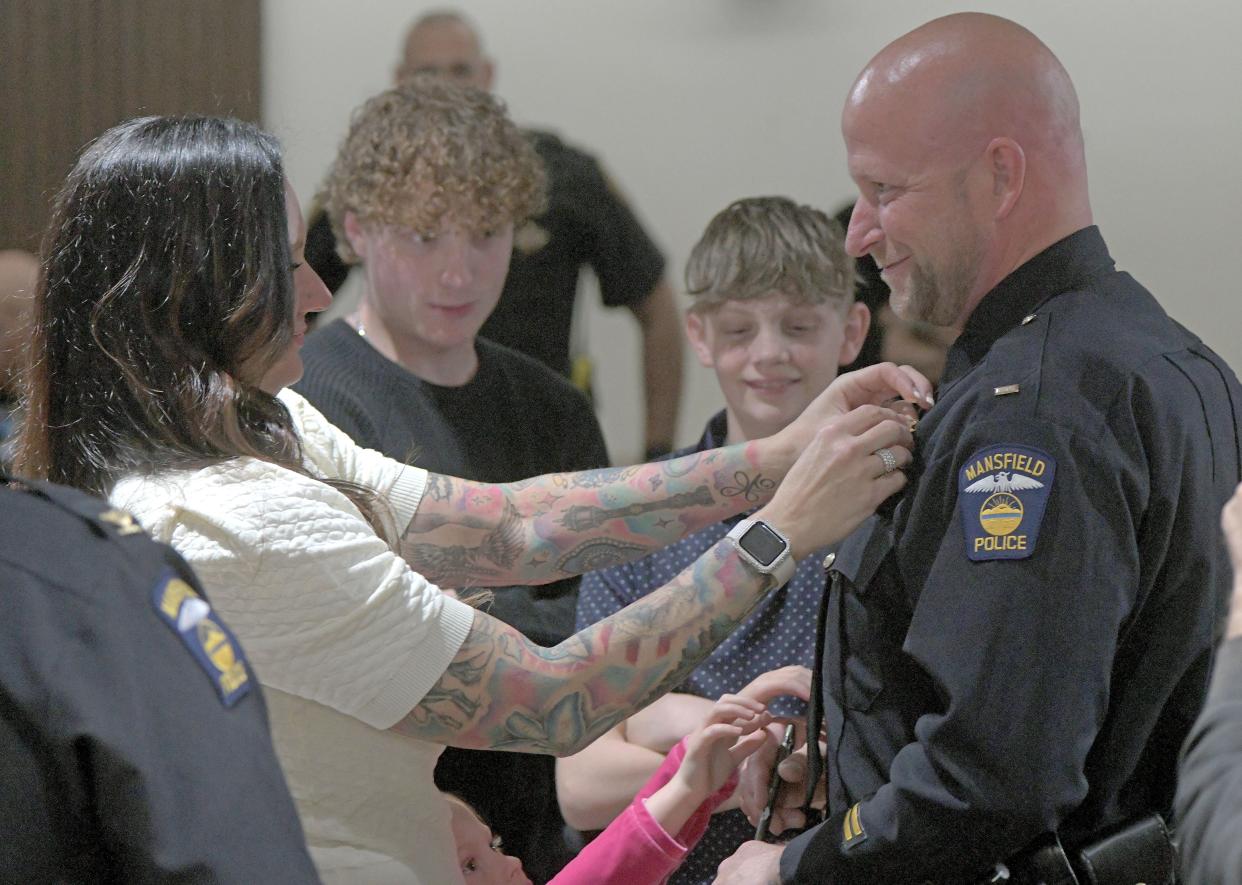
[211, 643]
[1002, 491]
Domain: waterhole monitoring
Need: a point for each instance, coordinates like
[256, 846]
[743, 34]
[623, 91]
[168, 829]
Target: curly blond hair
[761, 245]
[427, 148]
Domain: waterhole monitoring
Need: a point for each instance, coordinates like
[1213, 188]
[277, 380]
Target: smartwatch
[766, 549]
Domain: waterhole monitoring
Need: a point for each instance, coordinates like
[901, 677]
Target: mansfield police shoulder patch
[211, 643]
[1002, 491]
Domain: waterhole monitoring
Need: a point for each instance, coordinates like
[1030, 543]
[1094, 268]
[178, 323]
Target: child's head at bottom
[479, 853]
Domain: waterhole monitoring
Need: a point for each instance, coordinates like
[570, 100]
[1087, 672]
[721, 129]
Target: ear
[1007, 165]
[857, 322]
[489, 74]
[356, 235]
[697, 332]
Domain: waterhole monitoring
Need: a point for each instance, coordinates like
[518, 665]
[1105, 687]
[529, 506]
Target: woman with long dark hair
[168, 319]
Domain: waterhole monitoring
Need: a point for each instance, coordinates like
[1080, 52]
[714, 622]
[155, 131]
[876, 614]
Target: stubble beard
[939, 297]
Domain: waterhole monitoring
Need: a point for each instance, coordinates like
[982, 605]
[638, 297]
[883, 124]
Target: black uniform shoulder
[1116, 323]
[41, 523]
[1083, 351]
[552, 148]
[568, 166]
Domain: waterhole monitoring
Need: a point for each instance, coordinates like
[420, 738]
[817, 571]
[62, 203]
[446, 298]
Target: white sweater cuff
[410, 684]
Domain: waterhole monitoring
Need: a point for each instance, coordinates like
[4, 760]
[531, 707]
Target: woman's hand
[841, 477]
[901, 388]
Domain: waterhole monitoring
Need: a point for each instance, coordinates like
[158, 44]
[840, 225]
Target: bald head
[968, 77]
[445, 42]
[976, 110]
[19, 274]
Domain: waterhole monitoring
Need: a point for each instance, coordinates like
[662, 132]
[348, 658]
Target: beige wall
[695, 102]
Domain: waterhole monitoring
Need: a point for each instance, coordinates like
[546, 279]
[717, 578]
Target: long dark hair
[165, 294]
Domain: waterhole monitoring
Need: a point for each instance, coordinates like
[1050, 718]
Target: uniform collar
[1059, 268]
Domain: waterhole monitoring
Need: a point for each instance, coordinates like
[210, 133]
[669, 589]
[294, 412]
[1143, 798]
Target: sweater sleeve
[332, 454]
[325, 610]
[635, 849]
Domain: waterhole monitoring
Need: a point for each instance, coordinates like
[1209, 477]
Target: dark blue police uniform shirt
[1021, 644]
[780, 632]
[134, 743]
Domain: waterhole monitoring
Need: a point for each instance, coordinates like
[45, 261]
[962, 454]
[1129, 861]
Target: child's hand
[732, 731]
[794, 680]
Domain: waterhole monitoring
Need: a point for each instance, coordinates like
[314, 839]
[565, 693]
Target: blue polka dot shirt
[781, 631]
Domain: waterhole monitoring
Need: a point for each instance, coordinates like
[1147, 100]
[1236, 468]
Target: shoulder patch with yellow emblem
[211, 643]
[1002, 491]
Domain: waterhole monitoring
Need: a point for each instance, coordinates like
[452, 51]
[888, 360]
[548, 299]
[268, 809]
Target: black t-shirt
[513, 420]
[134, 742]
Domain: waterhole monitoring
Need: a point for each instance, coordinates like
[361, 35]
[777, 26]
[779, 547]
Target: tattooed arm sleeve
[504, 692]
[538, 530]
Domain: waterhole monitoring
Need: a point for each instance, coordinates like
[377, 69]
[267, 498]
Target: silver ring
[889, 460]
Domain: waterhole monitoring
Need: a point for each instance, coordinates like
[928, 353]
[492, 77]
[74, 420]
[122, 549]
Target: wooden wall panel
[69, 69]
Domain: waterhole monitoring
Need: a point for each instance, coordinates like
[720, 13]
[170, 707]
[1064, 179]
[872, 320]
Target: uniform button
[829, 560]
[1028, 318]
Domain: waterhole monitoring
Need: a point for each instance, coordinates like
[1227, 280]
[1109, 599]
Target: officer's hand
[839, 480]
[1231, 522]
[754, 780]
[881, 384]
[754, 863]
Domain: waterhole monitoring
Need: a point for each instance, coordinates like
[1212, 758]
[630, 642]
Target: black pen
[774, 786]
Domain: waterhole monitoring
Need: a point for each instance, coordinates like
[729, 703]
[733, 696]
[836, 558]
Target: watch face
[762, 543]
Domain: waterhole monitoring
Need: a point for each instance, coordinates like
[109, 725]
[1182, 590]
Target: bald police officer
[1020, 647]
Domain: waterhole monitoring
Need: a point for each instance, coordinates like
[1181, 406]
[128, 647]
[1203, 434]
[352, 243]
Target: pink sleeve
[635, 849]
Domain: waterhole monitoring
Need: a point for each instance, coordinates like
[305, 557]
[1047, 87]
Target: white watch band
[781, 567]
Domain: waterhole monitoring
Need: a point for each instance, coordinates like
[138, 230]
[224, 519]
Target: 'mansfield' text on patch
[1002, 491]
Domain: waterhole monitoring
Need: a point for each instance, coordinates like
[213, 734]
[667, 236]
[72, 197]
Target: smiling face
[917, 219]
[773, 355]
[478, 852]
[431, 291]
[310, 296]
[964, 139]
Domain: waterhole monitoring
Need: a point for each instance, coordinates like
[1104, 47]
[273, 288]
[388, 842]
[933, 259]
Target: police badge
[1002, 492]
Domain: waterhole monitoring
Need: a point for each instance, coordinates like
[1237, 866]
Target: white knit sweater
[344, 636]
